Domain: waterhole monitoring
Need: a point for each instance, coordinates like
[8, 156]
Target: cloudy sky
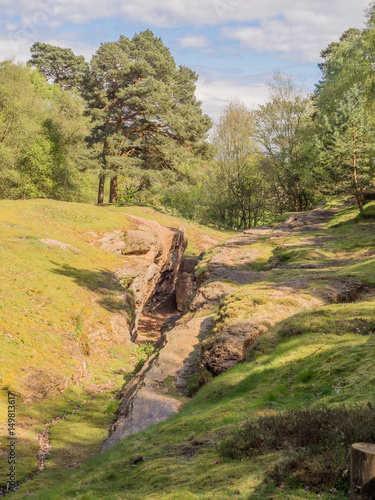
[234, 45]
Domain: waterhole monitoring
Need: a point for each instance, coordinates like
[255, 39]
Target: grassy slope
[54, 324]
[317, 358]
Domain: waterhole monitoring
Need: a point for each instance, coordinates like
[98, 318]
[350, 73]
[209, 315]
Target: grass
[183, 456]
[310, 362]
[59, 343]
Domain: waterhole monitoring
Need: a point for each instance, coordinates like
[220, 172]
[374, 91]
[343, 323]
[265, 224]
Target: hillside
[65, 320]
[290, 311]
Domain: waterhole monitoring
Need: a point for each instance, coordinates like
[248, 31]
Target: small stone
[137, 459]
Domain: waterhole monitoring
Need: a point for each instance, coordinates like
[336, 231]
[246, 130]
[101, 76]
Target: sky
[233, 45]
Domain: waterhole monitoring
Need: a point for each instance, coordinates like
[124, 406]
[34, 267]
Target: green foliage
[144, 107]
[59, 65]
[239, 175]
[347, 146]
[42, 130]
[345, 65]
[282, 129]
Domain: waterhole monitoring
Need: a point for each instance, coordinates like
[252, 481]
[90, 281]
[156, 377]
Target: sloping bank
[233, 306]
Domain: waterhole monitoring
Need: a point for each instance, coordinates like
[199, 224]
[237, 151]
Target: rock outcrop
[152, 256]
[224, 317]
[268, 303]
[185, 283]
[227, 348]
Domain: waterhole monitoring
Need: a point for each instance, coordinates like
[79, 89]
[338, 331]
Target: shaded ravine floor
[152, 319]
[160, 388]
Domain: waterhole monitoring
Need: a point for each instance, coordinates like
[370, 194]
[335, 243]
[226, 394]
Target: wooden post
[362, 481]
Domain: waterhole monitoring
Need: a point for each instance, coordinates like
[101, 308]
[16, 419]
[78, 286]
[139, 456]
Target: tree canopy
[59, 65]
[142, 103]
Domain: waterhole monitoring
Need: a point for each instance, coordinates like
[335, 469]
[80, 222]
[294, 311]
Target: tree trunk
[113, 190]
[358, 194]
[101, 190]
[362, 482]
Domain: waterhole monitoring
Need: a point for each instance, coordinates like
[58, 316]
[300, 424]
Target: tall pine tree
[144, 106]
[347, 146]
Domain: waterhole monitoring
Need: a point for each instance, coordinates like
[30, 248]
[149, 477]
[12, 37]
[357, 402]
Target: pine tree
[142, 103]
[59, 65]
[347, 146]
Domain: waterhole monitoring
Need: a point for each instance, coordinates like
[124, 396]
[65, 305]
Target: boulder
[211, 294]
[228, 347]
[138, 242]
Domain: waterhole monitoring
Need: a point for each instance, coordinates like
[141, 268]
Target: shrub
[315, 443]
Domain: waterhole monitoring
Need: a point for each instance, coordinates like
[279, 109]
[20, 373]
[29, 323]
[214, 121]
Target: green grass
[311, 370]
[312, 359]
[309, 360]
[58, 344]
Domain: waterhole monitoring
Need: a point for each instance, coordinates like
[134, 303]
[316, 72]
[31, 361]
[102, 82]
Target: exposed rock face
[227, 348]
[218, 339]
[234, 332]
[152, 256]
[185, 284]
[211, 294]
[139, 242]
[307, 221]
[147, 399]
[112, 242]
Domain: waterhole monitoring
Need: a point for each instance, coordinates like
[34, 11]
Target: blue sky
[234, 45]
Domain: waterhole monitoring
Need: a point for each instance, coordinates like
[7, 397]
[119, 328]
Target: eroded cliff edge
[152, 256]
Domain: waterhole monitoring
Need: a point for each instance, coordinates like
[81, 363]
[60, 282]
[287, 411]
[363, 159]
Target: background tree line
[128, 122]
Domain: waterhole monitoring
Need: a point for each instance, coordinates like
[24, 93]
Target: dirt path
[44, 442]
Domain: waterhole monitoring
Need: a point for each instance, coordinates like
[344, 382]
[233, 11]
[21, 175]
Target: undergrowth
[315, 444]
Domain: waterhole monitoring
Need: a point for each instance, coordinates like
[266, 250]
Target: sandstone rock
[152, 255]
[169, 323]
[139, 242]
[112, 242]
[184, 291]
[185, 284]
[211, 294]
[307, 221]
[228, 347]
[145, 400]
[188, 265]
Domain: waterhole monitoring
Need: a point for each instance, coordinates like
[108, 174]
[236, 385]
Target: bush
[315, 444]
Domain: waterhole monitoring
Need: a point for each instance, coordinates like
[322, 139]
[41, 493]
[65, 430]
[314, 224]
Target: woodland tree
[59, 65]
[347, 146]
[237, 157]
[280, 128]
[41, 132]
[145, 108]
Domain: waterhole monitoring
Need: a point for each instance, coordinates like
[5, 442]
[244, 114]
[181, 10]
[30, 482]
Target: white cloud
[279, 26]
[289, 29]
[194, 42]
[18, 47]
[299, 32]
[166, 13]
[215, 92]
